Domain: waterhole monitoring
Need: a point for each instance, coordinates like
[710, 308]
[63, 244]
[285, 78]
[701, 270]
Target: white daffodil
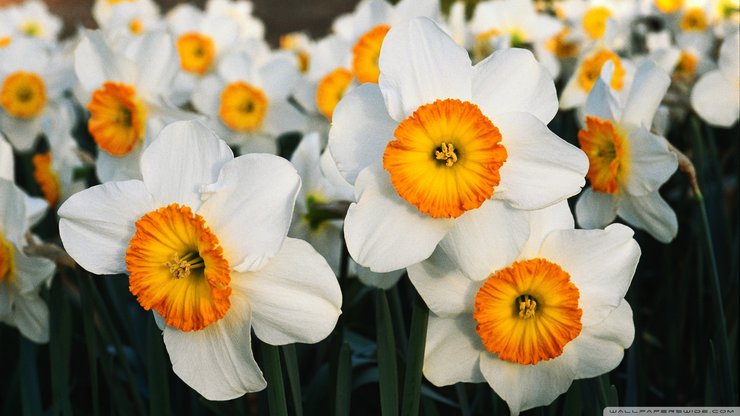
[21, 276]
[240, 11]
[104, 10]
[367, 26]
[129, 18]
[32, 19]
[716, 95]
[628, 163]
[441, 142]
[247, 100]
[510, 23]
[321, 183]
[201, 40]
[604, 22]
[566, 291]
[587, 71]
[124, 92]
[203, 240]
[32, 83]
[35, 208]
[687, 59]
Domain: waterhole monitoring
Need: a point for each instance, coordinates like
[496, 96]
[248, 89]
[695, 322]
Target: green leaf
[157, 371]
[294, 377]
[343, 382]
[415, 359]
[30, 393]
[386, 357]
[60, 343]
[274, 377]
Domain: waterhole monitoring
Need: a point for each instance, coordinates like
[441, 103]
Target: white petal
[13, 222]
[542, 222]
[256, 143]
[282, 117]
[486, 239]
[444, 288]
[601, 264]
[361, 129]
[541, 168]
[452, 351]
[157, 62]
[35, 209]
[7, 166]
[512, 80]
[408, 9]
[601, 101]
[250, 207]
[573, 95]
[294, 298]
[31, 316]
[729, 58]
[599, 349]
[217, 361]
[595, 209]
[648, 88]
[650, 213]
[384, 232]
[716, 100]
[419, 63]
[651, 163]
[206, 97]
[110, 168]
[95, 62]
[22, 133]
[383, 281]
[279, 77]
[32, 272]
[96, 224]
[185, 156]
[526, 386]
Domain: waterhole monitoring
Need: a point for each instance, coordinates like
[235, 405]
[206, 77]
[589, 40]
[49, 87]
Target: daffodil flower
[125, 91]
[32, 83]
[587, 71]
[628, 163]
[441, 143]
[531, 325]
[247, 100]
[203, 240]
[20, 276]
[716, 95]
[240, 11]
[32, 19]
[128, 18]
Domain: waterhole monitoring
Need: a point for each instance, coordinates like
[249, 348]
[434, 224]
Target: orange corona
[117, 118]
[7, 262]
[594, 21]
[45, 176]
[177, 268]
[197, 52]
[366, 52]
[445, 158]
[331, 89]
[23, 95]
[590, 70]
[608, 154]
[243, 107]
[528, 312]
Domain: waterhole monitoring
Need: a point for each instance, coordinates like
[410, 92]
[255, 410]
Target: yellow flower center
[331, 89]
[136, 26]
[608, 154]
[366, 52]
[5, 41]
[32, 28]
[7, 263]
[594, 21]
[669, 6]
[445, 159]
[243, 107]
[177, 268]
[117, 118]
[197, 52]
[694, 19]
[687, 63]
[528, 312]
[46, 177]
[23, 94]
[590, 70]
[561, 46]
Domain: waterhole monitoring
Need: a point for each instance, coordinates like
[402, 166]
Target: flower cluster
[426, 147]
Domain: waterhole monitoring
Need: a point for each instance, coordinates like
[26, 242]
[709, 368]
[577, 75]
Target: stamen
[527, 306]
[447, 153]
[180, 267]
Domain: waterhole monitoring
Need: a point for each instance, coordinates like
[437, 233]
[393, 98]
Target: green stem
[274, 377]
[415, 359]
[294, 377]
[387, 366]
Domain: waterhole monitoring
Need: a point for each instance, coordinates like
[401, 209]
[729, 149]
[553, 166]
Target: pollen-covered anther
[446, 153]
[527, 306]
